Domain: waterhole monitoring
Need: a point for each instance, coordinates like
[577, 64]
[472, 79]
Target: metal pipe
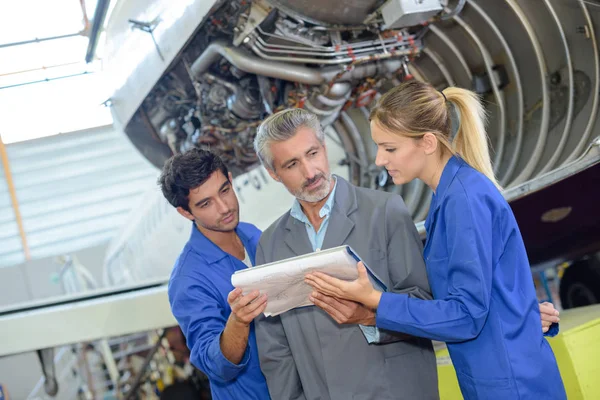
[97, 22]
[142, 372]
[252, 64]
[327, 49]
[569, 119]
[86, 20]
[520, 102]
[592, 121]
[45, 80]
[487, 60]
[436, 59]
[337, 95]
[338, 90]
[455, 12]
[13, 197]
[361, 152]
[461, 59]
[372, 47]
[416, 72]
[539, 55]
[36, 40]
[22, 71]
[342, 49]
[280, 70]
[332, 102]
[373, 57]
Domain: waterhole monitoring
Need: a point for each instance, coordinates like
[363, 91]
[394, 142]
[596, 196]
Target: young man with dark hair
[215, 319]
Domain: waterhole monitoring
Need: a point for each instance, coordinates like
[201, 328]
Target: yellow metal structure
[577, 350]
[13, 197]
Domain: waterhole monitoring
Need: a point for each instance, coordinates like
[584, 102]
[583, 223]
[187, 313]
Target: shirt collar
[210, 251]
[448, 174]
[297, 213]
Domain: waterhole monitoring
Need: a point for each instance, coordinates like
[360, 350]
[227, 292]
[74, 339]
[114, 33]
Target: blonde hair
[415, 108]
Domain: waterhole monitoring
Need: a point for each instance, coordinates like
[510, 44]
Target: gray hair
[280, 127]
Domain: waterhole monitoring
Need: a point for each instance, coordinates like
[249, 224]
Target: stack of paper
[283, 281]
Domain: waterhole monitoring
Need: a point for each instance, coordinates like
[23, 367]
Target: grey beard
[304, 195]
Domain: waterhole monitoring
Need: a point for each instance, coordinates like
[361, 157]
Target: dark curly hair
[186, 171]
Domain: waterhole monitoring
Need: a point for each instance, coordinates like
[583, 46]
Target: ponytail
[471, 141]
[414, 108]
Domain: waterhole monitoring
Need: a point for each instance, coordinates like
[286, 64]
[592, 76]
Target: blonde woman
[484, 305]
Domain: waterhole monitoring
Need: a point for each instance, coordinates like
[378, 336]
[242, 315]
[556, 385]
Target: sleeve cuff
[371, 333]
[553, 331]
[385, 317]
[228, 369]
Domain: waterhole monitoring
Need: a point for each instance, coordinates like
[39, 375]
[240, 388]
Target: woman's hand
[549, 315]
[360, 290]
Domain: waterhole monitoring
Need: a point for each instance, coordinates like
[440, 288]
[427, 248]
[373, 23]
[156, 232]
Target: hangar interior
[95, 96]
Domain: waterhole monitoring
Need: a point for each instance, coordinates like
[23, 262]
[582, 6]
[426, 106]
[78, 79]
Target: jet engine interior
[535, 64]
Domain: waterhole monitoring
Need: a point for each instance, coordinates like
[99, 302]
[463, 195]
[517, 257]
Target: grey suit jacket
[304, 353]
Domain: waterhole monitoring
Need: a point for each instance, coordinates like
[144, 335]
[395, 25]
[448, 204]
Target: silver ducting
[249, 63]
[252, 64]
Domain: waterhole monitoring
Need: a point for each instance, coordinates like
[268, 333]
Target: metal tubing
[569, 119]
[36, 40]
[436, 59]
[539, 55]
[282, 70]
[461, 59]
[520, 102]
[327, 51]
[455, 12]
[361, 152]
[487, 59]
[253, 64]
[395, 53]
[98, 21]
[592, 121]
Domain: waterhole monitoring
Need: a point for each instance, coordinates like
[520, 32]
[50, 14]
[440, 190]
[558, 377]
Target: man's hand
[245, 308]
[343, 311]
[549, 315]
[243, 311]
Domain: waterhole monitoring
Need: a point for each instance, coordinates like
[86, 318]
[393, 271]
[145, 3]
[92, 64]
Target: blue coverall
[485, 305]
[198, 289]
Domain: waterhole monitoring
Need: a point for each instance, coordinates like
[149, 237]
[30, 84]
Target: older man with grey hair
[333, 352]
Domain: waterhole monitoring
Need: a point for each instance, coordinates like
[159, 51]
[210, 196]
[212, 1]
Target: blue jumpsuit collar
[450, 171]
[213, 253]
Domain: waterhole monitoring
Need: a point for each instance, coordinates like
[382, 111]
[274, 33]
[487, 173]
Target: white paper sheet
[283, 281]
